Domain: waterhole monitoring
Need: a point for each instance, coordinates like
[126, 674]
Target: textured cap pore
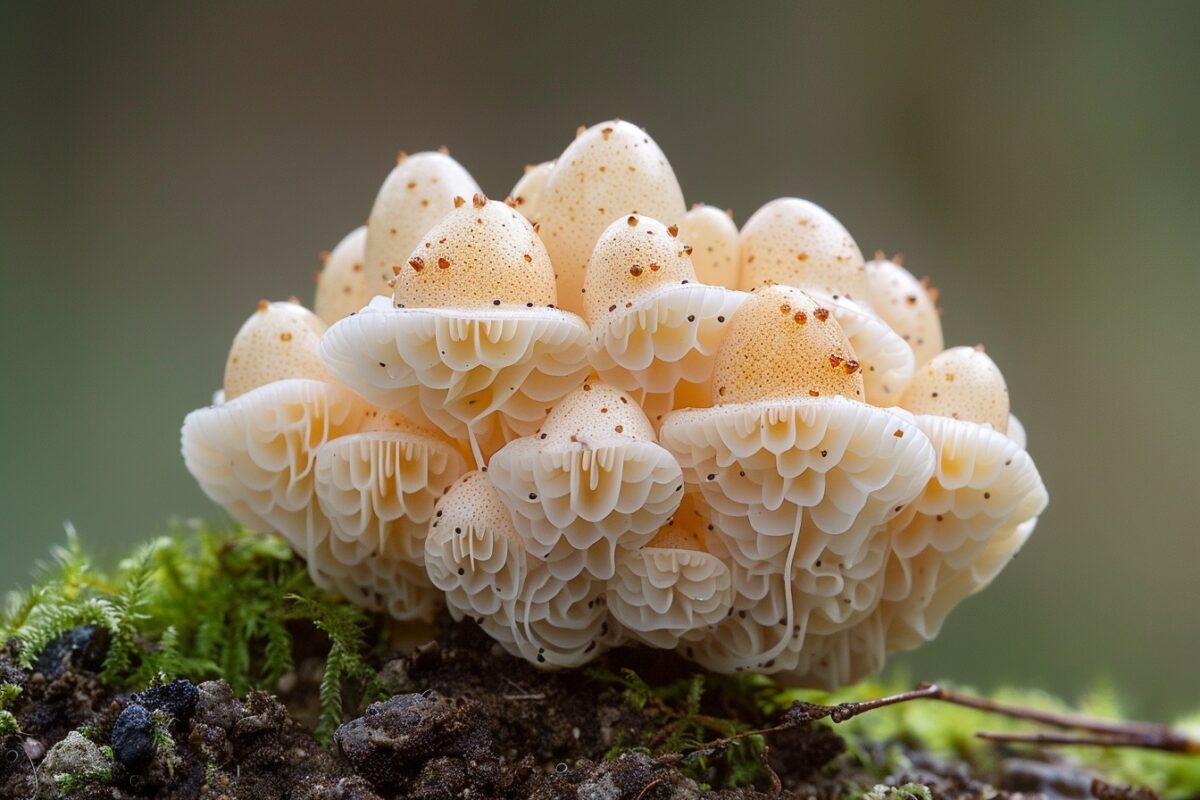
[782, 344]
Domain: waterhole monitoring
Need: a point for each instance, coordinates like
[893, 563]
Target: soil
[464, 721]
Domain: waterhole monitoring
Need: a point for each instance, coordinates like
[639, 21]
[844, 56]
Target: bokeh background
[165, 166]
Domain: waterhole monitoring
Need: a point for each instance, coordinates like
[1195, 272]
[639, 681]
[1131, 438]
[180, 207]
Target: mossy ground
[288, 664]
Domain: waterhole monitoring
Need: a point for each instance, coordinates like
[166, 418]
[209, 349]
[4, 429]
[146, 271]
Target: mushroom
[907, 305]
[610, 171]
[714, 239]
[475, 555]
[800, 472]
[798, 243]
[981, 503]
[471, 338]
[672, 588]
[527, 193]
[343, 284]
[655, 327]
[418, 192]
[378, 487]
[593, 481]
[254, 453]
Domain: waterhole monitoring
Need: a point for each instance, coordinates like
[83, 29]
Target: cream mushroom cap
[418, 192]
[592, 482]
[655, 328]
[467, 340]
[962, 383]
[481, 254]
[783, 344]
[378, 487]
[713, 237]
[611, 170]
[797, 242]
[278, 341]
[343, 284]
[672, 589]
[907, 305]
[527, 193]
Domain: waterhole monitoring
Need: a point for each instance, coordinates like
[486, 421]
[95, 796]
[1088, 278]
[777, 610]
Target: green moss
[8, 695]
[202, 602]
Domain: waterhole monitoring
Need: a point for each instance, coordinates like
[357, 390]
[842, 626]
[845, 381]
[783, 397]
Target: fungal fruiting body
[586, 417]
[801, 474]
[655, 326]
[471, 338]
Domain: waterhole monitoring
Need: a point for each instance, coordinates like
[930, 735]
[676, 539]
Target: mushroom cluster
[587, 416]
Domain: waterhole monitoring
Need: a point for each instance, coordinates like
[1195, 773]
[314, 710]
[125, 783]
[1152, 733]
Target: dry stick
[1111, 733]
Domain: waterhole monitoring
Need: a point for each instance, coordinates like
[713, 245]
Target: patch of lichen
[201, 602]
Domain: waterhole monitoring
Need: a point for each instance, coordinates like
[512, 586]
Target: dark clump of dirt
[462, 720]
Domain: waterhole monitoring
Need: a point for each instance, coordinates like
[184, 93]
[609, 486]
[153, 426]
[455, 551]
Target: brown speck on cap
[654, 268]
[633, 221]
[285, 337]
[443, 263]
[899, 434]
[635, 270]
[606, 132]
[673, 230]
[263, 305]
[851, 367]
[395, 269]
[835, 360]
[510, 202]
[417, 263]
[822, 314]
[478, 200]
[400, 156]
[444, 150]
[580, 130]
[458, 201]
[323, 255]
[813, 393]
[800, 318]
[619, 428]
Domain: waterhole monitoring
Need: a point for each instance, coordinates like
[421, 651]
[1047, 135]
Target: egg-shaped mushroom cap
[798, 243]
[783, 344]
[378, 488]
[672, 589]
[907, 306]
[610, 171]
[527, 193]
[278, 341]
[343, 284]
[473, 553]
[654, 326]
[255, 455]
[418, 192]
[961, 383]
[593, 481]
[480, 255]
[713, 237]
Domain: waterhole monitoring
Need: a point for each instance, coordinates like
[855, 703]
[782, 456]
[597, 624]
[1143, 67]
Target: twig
[1177, 744]
[648, 787]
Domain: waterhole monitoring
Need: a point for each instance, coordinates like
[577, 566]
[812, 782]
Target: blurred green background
[165, 166]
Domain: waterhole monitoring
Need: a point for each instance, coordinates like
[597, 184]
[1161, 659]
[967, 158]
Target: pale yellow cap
[907, 306]
[526, 195]
[961, 383]
[596, 410]
[482, 254]
[633, 256]
[781, 345]
[797, 242]
[343, 285]
[610, 171]
[278, 341]
[417, 193]
[713, 237]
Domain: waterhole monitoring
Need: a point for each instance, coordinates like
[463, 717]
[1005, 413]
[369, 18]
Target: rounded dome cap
[886, 362]
[783, 344]
[798, 243]
[482, 254]
[278, 341]
[907, 306]
[960, 383]
[343, 284]
[713, 237]
[610, 171]
[527, 193]
[672, 589]
[378, 488]
[593, 481]
[418, 192]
